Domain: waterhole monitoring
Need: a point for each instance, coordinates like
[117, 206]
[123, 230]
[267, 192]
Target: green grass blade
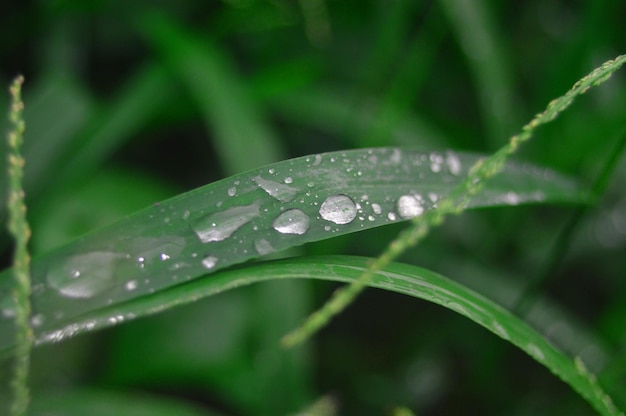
[401, 278]
[474, 25]
[253, 214]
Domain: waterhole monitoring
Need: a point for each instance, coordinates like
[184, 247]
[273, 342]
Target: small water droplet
[318, 160]
[512, 198]
[164, 256]
[263, 247]
[37, 320]
[232, 191]
[392, 216]
[292, 221]
[454, 164]
[377, 209]
[221, 225]
[131, 285]
[409, 206]
[279, 191]
[288, 179]
[436, 160]
[339, 209]
[209, 262]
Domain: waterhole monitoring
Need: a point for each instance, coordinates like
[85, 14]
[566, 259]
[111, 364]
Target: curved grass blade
[250, 215]
[400, 278]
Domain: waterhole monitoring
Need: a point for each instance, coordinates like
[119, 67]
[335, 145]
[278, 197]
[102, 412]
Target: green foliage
[128, 106]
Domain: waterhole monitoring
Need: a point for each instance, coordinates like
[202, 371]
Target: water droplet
[454, 164]
[409, 206]
[436, 160]
[377, 209]
[281, 192]
[85, 275]
[339, 209]
[288, 179]
[164, 256]
[292, 221]
[221, 225]
[263, 247]
[37, 320]
[232, 191]
[209, 262]
[512, 198]
[131, 285]
[318, 160]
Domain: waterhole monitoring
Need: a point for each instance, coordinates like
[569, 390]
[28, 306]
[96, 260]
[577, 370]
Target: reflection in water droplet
[281, 192]
[209, 262]
[219, 226]
[85, 275]
[339, 209]
[232, 191]
[409, 206]
[131, 285]
[263, 247]
[292, 221]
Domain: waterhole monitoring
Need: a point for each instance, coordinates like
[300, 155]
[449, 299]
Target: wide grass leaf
[256, 213]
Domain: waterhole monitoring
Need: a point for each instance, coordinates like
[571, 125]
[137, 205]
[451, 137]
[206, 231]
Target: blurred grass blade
[145, 95]
[474, 25]
[253, 214]
[213, 83]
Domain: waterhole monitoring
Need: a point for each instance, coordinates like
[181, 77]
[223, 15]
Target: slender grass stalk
[18, 227]
[454, 204]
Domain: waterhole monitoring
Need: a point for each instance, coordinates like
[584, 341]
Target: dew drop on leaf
[292, 221]
[85, 275]
[453, 162]
[339, 209]
[209, 262]
[221, 225]
[279, 191]
[409, 206]
[263, 247]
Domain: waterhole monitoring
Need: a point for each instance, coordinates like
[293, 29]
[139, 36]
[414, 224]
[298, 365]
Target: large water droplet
[292, 221]
[85, 275]
[339, 209]
[221, 225]
[409, 206]
[282, 192]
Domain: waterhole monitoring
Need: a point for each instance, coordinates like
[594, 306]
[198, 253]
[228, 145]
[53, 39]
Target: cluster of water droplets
[251, 216]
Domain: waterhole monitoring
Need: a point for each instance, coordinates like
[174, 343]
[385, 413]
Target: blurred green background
[129, 103]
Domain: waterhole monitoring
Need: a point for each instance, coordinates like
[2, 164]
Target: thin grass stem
[20, 230]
